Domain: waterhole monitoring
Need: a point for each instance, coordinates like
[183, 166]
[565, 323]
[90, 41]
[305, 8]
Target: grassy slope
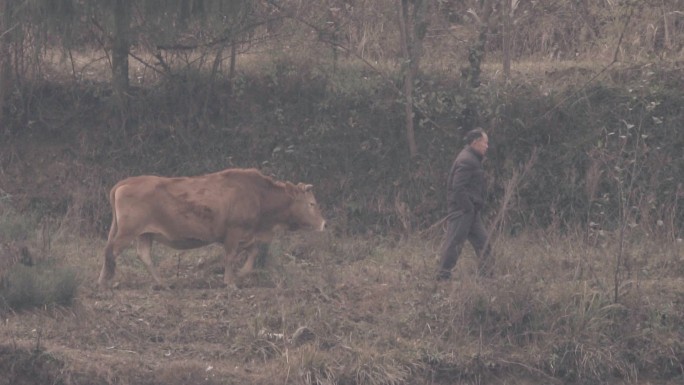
[373, 314]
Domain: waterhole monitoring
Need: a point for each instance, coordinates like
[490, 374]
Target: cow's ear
[307, 187]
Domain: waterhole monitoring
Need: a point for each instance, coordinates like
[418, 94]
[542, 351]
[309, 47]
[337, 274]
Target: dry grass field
[357, 304]
[327, 310]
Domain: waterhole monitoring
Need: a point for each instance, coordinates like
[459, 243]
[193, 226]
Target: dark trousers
[461, 226]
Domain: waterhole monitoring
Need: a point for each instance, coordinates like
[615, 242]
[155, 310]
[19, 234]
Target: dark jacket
[466, 183]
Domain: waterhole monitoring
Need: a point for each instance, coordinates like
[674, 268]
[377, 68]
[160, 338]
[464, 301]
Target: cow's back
[201, 207]
[251, 180]
[175, 208]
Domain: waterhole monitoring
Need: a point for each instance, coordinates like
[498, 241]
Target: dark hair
[473, 135]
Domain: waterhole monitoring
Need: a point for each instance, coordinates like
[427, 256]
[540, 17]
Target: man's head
[477, 139]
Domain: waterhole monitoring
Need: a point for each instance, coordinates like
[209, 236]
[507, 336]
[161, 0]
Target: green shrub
[40, 285]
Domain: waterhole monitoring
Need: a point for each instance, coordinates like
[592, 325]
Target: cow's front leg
[252, 250]
[144, 250]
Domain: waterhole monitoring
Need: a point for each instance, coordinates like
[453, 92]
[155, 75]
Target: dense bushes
[606, 152]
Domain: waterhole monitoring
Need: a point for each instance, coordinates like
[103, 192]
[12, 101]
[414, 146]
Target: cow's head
[305, 211]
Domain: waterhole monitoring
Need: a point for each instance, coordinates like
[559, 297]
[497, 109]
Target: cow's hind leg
[109, 266]
[115, 245]
[144, 250]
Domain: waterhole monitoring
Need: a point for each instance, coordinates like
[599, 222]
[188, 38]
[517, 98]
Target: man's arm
[462, 174]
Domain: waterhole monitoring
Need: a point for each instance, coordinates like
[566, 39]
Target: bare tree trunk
[412, 28]
[231, 70]
[5, 59]
[476, 54]
[667, 28]
[121, 47]
[506, 38]
[477, 50]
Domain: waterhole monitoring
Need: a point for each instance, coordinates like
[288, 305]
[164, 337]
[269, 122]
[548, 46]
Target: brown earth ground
[318, 312]
[266, 332]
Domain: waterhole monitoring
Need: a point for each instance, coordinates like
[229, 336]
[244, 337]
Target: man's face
[480, 144]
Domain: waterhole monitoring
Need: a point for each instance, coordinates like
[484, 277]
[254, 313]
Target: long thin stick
[511, 186]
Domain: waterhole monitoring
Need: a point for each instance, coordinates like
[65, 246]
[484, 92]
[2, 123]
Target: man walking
[465, 198]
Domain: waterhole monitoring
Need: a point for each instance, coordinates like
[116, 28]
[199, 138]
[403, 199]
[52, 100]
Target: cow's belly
[181, 243]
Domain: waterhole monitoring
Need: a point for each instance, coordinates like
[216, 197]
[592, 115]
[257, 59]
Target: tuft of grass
[29, 365]
[15, 226]
[36, 286]
[314, 367]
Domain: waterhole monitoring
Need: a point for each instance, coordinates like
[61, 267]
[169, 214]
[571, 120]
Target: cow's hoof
[107, 285]
[244, 273]
[103, 293]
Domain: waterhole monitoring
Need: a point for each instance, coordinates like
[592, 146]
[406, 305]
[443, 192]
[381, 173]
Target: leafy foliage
[340, 128]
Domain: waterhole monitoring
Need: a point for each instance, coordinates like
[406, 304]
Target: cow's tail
[115, 226]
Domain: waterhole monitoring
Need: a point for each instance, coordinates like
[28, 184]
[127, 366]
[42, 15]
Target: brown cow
[233, 207]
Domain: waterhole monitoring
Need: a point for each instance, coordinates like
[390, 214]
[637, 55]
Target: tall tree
[121, 47]
[413, 25]
[506, 36]
[508, 15]
[6, 28]
[476, 52]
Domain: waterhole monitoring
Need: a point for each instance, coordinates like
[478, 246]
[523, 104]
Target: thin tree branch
[511, 187]
[9, 30]
[146, 64]
[218, 41]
